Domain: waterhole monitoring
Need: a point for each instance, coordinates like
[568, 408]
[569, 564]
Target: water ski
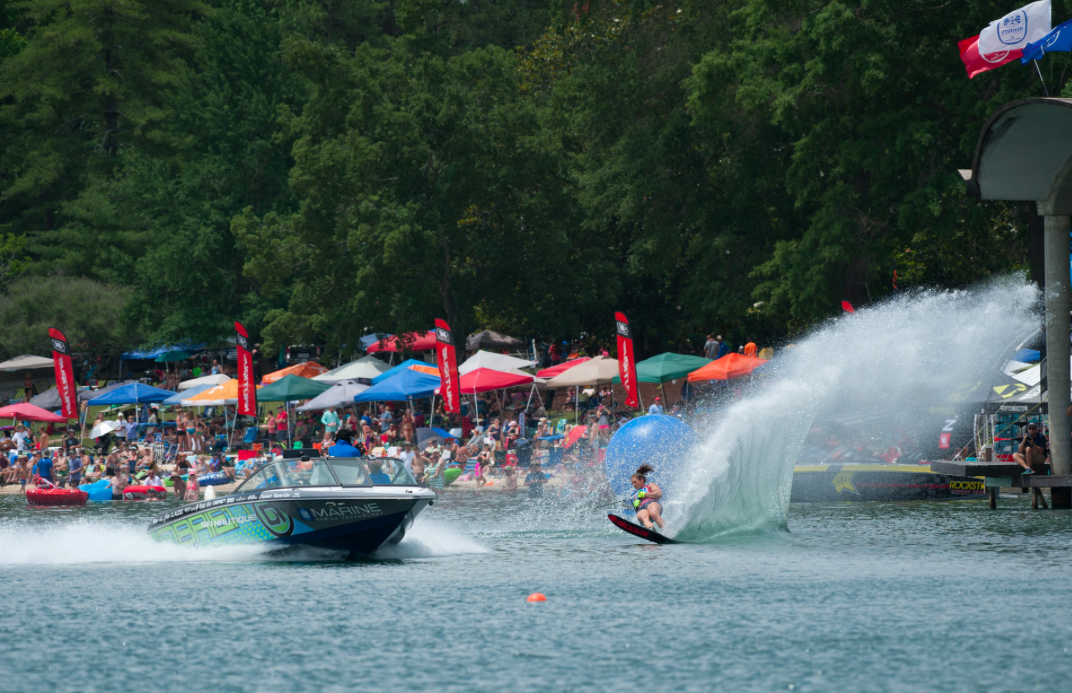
[640, 531]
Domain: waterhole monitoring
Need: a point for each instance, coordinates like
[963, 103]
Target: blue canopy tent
[152, 354]
[404, 366]
[1026, 356]
[401, 387]
[134, 393]
[177, 397]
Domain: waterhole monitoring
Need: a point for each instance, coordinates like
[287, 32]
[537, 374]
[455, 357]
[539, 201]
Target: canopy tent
[597, 371]
[338, 395]
[367, 367]
[173, 356]
[220, 394]
[401, 387]
[411, 341]
[24, 411]
[177, 398]
[561, 368]
[485, 380]
[409, 365]
[134, 393]
[25, 363]
[496, 362]
[291, 388]
[728, 367]
[152, 354]
[666, 367]
[50, 398]
[305, 369]
[203, 380]
[493, 340]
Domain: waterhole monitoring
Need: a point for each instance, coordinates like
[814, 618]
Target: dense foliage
[324, 168]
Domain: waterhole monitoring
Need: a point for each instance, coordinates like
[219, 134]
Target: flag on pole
[61, 361]
[448, 367]
[247, 388]
[626, 362]
[1057, 41]
[1005, 39]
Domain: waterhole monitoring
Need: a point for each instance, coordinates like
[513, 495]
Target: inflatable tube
[213, 479]
[98, 490]
[144, 492]
[56, 496]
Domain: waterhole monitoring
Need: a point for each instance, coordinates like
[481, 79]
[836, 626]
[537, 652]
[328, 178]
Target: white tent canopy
[338, 395]
[598, 371]
[24, 363]
[495, 362]
[1031, 375]
[204, 380]
[368, 367]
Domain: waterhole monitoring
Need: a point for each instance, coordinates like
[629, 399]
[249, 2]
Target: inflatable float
[51, 497]
[144, 493]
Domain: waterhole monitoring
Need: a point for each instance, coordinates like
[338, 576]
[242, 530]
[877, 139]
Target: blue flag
[1057, 41]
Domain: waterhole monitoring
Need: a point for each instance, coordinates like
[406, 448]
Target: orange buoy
[536, 597]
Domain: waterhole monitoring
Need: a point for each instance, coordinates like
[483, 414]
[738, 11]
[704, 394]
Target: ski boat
[824, 483]
[349, 504]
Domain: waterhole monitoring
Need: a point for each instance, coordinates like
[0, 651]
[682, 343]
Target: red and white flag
[448, 367]
[626, 362]
[61, 361]
[1004, 40]
[247, 388]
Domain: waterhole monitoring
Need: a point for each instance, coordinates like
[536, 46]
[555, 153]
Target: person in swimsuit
[646, 499]
[193, 490]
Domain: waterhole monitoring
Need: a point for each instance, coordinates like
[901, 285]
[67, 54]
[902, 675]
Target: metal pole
[1044, 89]
[1057, 351]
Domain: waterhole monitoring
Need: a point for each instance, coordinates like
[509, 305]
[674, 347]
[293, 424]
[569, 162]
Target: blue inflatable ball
[662, 441]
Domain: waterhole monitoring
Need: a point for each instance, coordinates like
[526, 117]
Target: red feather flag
[61, 361]
[626, 362]
[247, 388]
[448, 367]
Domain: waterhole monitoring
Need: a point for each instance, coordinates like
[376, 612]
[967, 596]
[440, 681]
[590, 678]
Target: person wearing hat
[657, 407]
[193, 490]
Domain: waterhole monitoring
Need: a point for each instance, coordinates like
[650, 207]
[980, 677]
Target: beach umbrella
[367, 367]
[425, 435]
[104, 428]
[412, 341]
[24, 411]
[25, 363]
[408, 365]
[666, 367]
[597, 371]
[133, 393]
[210, 380]
[561, 368]
[401, 387]
[728, 367]
[496, 362]
[575, 434]
[291, 388]
[305, 369]
[492, 340]
[338, 395]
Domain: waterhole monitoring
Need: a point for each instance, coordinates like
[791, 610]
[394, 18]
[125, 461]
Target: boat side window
[350, 471]
[388, 471]
[268, 476]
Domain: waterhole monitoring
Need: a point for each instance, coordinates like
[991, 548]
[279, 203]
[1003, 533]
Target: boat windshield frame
[407, 477]
[290, 474]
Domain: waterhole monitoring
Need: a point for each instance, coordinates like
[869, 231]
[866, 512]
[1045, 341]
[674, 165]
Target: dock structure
[1024, 153]
[999, 475]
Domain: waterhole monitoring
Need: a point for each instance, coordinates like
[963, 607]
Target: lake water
[878, 597]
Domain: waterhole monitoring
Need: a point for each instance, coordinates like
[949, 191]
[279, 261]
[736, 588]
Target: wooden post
[992, 492]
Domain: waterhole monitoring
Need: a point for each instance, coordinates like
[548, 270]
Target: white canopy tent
[25, 363]
[598, 371]
[339, 395]
[203, 380]
[495, 362]
[368, 367]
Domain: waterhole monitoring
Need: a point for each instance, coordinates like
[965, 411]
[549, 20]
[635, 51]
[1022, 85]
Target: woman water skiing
[646, 499]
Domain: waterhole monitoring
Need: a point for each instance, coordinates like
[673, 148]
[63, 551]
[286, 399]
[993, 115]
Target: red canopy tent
[485, 379]
[561, 368]
[728, 367]
[412, 341]
[24, 411]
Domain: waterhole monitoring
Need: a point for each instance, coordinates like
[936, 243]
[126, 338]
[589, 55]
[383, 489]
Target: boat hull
[884, 483]
[324, 518]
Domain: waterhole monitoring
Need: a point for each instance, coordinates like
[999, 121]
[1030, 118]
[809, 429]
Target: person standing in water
[646, 499]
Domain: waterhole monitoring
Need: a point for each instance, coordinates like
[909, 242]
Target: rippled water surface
[897, 597]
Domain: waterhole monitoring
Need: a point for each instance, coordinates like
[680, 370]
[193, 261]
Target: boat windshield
[290, 473]
[388, 471]
[350, 471]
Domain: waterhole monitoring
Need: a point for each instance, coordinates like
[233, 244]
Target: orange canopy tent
[306, 369]
[728, 367]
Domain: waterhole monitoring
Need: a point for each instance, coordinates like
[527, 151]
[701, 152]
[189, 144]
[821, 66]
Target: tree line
[320, 169]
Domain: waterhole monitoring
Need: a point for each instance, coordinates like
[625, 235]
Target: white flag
[1016, 29]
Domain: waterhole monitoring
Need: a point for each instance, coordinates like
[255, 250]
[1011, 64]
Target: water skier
[646, 499]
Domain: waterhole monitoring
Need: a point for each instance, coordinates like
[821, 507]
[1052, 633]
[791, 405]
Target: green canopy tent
[665, 367]
[291, 388]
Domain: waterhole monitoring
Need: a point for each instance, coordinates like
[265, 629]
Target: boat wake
[902, 356]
